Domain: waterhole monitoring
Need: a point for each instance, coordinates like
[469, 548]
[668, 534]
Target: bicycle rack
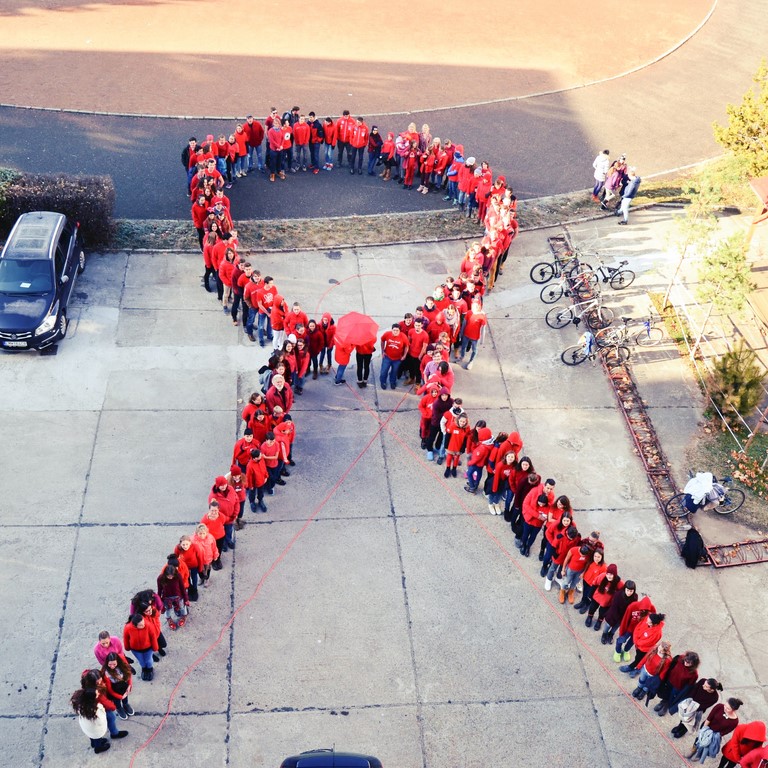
[648, 449]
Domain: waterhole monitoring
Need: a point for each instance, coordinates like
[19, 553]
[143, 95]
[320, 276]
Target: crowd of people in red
[295, 142]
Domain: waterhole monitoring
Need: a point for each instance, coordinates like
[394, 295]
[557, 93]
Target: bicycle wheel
[559, 317]
[675, 507]
[542, 272]
[648, 337]
[575, 355]
[575, 269]
[584, 289]
[551, 293]
[599, 318]
[607, 336]
[622, 279]
[734, 498]
[616, 355]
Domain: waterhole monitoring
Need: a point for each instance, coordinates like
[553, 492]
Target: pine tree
[737, 382]
[724, 275]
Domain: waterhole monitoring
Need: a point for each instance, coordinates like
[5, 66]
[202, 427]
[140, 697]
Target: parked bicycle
[704, 491]
[648, 337]
[617, 277]
[545, 271]
[591, 311]
[576, 284]
[587, 349]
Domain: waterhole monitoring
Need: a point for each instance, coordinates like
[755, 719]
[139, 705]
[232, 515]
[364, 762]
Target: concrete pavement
[401, 620]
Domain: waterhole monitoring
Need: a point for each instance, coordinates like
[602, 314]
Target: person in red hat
[236, 479]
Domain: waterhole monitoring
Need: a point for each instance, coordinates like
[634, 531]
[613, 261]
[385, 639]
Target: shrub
[87, 199]
[737, 380]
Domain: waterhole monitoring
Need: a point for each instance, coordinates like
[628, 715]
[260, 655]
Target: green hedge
[87, 199]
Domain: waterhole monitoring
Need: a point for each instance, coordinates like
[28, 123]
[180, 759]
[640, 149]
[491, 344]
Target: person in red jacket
[344, 126]
[316, 344]
[295, 317]
[756, 758]
[410, 164]
[503, 474]
[140, 638]
[329, 137]
[214, 522]
[192, 557]
[199, 215]
[270, 450]
[473, 332]
[236, 479]
[576, 560]
[254, 132]
[602, 596]
[275, 152]
[117, 677]
[646, 636]
[302, 134]
[358, 143]
[327, 327]
[279, 393]
[634, 613]
[653, 669]
[394, 348]
[418, 339]
[256, 478]
[241, 155]
[456, 437]
[229, 505]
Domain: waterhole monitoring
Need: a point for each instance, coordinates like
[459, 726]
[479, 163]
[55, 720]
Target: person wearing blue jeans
[629, 193]
[394, 348]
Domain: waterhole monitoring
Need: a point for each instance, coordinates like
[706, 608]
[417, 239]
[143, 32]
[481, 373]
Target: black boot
[598, 624]
[588, 621]
[193, 594]
[145, 673]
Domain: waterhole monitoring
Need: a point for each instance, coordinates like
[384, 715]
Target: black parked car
[330, 758]
[38, 270]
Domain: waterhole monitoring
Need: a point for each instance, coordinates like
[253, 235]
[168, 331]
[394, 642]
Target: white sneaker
[492, 509]
[497, 508]
[468, 367]
[548, 584]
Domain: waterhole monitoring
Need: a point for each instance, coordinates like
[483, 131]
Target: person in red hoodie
[316, 343]
[635, 612]
[329, 137]
[192, 556]
[277, 313]
[747, 738]
[344, 126]
[426, 404]
[302, 134]
[358, 143]
[236, 479]
[295, 317]
[387, 155]
[606, 588]
[410, 163]
[229, 505]
[646, 636]
[576, 560]
[478, 459]
[256, 478]
[171, 590]
[199, 215]
[756, 758]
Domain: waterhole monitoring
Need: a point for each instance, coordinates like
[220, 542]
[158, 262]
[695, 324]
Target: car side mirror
[64, 279]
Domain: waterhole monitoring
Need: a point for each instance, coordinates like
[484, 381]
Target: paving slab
[20, 737]
[35, 588]
[61, 444]
[135, 451]
[342, 616]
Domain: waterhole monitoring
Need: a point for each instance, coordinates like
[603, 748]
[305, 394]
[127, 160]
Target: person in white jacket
[601, 165]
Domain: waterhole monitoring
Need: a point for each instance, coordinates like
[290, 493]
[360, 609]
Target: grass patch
[677, 327]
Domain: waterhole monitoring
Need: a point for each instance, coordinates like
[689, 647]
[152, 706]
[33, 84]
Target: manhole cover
[335, 255]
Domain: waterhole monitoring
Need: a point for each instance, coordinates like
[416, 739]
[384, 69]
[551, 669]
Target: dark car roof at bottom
[326, 758]
[33, 234]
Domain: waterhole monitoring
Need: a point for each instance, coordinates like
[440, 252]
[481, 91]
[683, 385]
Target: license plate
[15, 344]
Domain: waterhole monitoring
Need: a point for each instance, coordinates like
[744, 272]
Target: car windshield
[25, 276]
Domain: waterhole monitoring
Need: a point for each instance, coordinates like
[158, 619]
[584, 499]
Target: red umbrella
[356, 329]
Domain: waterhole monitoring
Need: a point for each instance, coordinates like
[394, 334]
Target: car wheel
[81, 263]
[63, 325]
